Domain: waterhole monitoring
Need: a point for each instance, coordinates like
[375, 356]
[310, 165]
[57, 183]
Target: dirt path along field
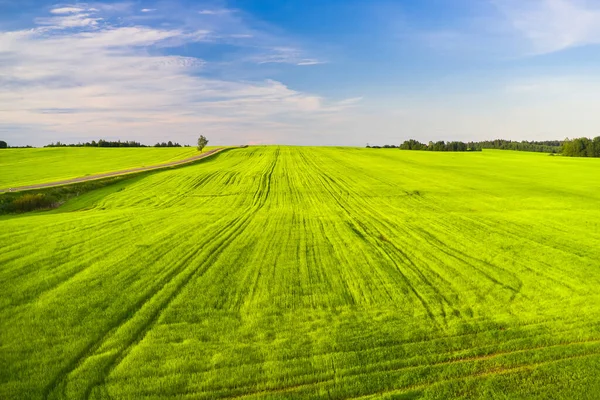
[114, 173]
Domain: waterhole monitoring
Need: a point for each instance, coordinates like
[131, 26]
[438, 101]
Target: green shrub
[30, 202]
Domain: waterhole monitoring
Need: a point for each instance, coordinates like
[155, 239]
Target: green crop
[286, 272]
[20, 167]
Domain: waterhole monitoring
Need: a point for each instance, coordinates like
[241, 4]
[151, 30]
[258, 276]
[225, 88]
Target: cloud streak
[77, 76]
[66, 10]
[215, 12]
[285, 55]
[553, 25]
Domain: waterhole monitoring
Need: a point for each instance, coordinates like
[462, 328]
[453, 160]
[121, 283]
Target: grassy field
[22, 167]
[283, 273]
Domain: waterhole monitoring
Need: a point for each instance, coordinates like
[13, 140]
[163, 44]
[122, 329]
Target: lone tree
[202, 142]
[3, 144]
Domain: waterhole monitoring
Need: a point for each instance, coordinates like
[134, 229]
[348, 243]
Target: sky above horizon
[304, 72]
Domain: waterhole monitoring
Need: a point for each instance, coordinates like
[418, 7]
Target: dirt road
[115, 173]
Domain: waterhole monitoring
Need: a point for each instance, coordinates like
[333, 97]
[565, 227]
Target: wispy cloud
[309, 61]
[553, 25]
[218, 11]
[509, 29]
[148, 10]
[70, 17]
[285, 55]
[104, 79]
[66, 10]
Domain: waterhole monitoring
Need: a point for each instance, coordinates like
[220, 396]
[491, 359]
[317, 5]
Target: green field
[286, 272]
[22, 167]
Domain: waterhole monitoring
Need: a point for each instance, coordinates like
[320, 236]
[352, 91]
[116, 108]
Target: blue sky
[307, 72]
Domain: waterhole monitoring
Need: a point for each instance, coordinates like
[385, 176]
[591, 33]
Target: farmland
[22, 167]
[288, 272]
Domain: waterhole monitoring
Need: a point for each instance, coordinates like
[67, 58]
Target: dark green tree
[202, 142]
[596, 143]
[581, 147]
[3, 144]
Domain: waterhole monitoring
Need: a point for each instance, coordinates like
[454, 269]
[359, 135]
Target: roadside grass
[22, 167]
[53, 197]
[289, 272]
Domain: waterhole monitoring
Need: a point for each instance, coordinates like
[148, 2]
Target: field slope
[21, 167]
[282, 272]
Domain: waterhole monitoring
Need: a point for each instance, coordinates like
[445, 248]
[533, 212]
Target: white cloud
[126, 36]
[350, 102]
[284, 55]
[122, 7]
[219, 11]
[147, 10]
[103, 80]
[70, 21]
[309, 61]
[66, 10]
[70, 17]
[553, 25]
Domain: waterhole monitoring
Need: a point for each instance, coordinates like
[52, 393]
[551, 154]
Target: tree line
[202, 142]
[581, 147]
[441, 145]
[549, 146]
[4, 145]
[169, 144]
[546, 146]
[108, 143]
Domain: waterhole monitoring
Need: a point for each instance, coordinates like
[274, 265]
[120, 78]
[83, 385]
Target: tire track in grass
[358, 228]
[482, 353]
[227, 236]
[59, 383]
[463, 257]
[60, 379]
[413, 361]
[440, 246]
[574, 326]
[383, 220]
[520, 238]
[416, 361]
[515, 260]
[262, 193]
[107, 247]
[177, 278]
[333, 380]
[408, 232]
[327, 184]
[403, 255]
[177, 273]
[55, 273]
[378, 216]
[361, 374]
[154, 314]
[483, 374]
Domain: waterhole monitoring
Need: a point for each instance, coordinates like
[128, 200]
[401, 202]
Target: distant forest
[4, 145]
[437, 146]
[549, 146]
[106, 143]
[581, 147]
